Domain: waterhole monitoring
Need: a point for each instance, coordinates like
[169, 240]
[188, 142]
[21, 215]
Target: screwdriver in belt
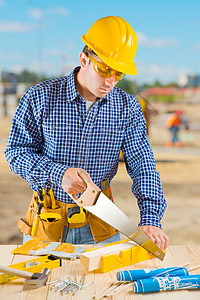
[40, 201]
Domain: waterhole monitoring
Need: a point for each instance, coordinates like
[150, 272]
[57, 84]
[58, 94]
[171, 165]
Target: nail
[77, 288]
[72, 287]
[56, 285]
[62, 286]
[75, 283]
[88, 284]
[65, 290]
[53, 281]
[82, 280]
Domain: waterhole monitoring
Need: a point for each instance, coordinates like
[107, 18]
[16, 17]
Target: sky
[45, 36]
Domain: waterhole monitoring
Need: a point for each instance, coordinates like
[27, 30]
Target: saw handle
[90, 195]
[16, 272]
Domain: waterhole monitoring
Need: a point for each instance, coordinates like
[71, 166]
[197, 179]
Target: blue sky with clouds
[45, 36]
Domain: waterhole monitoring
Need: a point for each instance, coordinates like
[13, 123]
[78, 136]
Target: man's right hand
[72, 183]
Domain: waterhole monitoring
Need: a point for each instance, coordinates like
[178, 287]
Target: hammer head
[38, 280]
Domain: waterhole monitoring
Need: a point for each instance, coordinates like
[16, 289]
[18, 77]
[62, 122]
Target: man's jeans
[174, 131]
[82, 235]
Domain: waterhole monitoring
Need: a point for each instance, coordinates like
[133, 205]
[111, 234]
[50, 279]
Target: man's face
[97, 85]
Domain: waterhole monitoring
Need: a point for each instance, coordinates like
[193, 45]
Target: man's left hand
[157, 235]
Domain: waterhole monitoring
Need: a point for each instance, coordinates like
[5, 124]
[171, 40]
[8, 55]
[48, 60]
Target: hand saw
[94, 201]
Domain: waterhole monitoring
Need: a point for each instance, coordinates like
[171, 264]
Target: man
[173, 124]
[79, 123]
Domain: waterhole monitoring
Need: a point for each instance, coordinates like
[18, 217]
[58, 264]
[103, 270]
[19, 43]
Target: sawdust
[179, 171]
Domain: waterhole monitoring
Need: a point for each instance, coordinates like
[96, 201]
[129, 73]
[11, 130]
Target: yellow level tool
[34, 265]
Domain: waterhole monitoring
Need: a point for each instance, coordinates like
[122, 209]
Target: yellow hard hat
[115, 43]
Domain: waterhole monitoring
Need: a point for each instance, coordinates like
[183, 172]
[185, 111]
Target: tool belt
[51, 229]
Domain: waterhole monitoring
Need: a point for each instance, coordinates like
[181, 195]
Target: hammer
[33, 280]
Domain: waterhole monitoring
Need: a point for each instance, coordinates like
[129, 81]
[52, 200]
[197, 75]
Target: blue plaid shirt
[51, 131]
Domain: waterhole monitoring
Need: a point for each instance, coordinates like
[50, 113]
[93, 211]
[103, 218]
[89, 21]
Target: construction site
[99, 150]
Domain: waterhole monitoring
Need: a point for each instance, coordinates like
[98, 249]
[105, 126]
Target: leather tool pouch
[53, 231]
[47, 231]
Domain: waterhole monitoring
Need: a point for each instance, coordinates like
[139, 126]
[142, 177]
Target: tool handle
[53, 200]
[35, 225]
[90, 195]
[16, 272]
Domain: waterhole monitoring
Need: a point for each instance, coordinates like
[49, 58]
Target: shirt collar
[72, 92]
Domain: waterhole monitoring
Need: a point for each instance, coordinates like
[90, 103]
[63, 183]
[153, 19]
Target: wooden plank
[194, 257]
[74, 270]
[92, 260]
[15, 288]
[6, 257]
[176, 255]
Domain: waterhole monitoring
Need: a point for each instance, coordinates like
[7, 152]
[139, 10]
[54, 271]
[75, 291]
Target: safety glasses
[104, 70]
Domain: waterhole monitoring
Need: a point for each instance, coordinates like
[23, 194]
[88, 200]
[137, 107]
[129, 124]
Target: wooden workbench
[176, 256]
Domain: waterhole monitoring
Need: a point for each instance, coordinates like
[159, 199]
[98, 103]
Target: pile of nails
[68, 286]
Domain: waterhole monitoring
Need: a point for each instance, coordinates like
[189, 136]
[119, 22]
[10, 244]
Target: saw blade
[108, 212]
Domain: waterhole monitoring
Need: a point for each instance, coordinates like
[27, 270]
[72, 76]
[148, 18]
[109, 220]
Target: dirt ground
[179, 171]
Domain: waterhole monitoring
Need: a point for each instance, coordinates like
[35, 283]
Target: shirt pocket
[56, 139]
[111, 140]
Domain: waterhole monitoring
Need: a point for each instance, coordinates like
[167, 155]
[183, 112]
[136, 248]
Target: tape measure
[33, 266]
[76, 214]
